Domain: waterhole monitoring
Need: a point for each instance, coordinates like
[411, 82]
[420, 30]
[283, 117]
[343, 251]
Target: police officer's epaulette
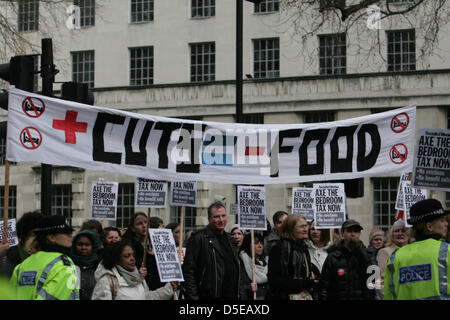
[65, 260]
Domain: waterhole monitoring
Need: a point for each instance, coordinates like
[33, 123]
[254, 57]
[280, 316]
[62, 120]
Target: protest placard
[169, 267]
[104, 200]
[252, 208]
[411, 195]
[303, 202]
[405, 176]
[330, 205]
[12, 233]
[150, 193]
[431, 168]
[183, 193]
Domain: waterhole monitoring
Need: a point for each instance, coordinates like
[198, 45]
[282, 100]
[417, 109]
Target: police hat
[53, 225]
[425, 211]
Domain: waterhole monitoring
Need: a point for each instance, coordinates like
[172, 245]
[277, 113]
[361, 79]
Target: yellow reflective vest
[46, 276]
[420, 270]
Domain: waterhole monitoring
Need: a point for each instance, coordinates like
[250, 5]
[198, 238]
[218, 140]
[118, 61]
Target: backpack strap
[113, 286]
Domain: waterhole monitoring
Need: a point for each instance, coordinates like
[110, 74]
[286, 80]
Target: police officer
[421, 269]
[48, 274]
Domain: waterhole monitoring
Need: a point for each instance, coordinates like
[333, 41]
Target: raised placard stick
[6, 203]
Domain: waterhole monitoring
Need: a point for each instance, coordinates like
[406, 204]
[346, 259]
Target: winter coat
[87, 280]
[261, 270]
[123, 291]
[344, 275]
[204, 266]
[287, 272]
[318, 255]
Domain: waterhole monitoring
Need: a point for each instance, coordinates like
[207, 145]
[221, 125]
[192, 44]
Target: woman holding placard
[291, 274]
[261, 268]
[121, 280]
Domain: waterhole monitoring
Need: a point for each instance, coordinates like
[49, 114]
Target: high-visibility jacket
[420, 270]
[46, 276]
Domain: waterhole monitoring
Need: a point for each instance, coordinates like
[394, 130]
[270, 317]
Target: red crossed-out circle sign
[400, 122]
[398, 153]
[33, 107]
[30, 138]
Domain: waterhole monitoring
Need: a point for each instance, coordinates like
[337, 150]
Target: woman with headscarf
[84, 254]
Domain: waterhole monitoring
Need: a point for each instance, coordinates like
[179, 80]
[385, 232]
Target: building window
[401, 50]
[203, 61]
[11, 202]
[384, 198]
[320, 116]
[266, 58]
[28, 15]
[267, 6]
[62, 201]
[332, 54]
[141, 66]
[87, 12]
[203, 8]
[190, 214]
[125, 204]
[141, 11]
[83, 67]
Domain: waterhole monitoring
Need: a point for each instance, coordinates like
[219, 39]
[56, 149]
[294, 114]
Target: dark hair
[155, 222]
[27, 223]
[215, 205]
[277, 216]
[112, 253]
[92, 225]
[108, 230]
[172, 226]
[324, 233]
[130, 233]
[247, 243]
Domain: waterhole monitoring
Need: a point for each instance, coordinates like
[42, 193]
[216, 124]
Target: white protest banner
[412, 195]
[169, 267]
[104, 200]
[431, 168]
[150, 193]
[183, 193]
[303, 202]
[330, 205]
[61, 132]
[405, 176]
[252, 208]
[13, 240]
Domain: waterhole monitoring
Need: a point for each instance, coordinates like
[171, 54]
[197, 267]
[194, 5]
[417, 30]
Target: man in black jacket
[344, 273]
[211, 264]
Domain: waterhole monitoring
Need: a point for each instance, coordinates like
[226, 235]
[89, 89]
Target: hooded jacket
[344, 275]
[204, 266]
[123, 291]
[86, 265]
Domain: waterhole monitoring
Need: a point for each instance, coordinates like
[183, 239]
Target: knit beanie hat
[375, 233]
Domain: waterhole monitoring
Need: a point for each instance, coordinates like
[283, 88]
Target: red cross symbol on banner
[70, 126]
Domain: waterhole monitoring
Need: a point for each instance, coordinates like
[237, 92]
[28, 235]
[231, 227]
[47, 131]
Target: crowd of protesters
[292, 260]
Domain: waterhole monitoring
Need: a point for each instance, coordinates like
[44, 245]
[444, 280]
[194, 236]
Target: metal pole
[48, 72]
[239, 28]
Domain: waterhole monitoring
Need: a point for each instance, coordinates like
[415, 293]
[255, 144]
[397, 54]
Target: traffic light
[78, 92]
[18, 72]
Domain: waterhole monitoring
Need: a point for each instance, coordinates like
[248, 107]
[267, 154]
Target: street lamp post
[239, 32]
